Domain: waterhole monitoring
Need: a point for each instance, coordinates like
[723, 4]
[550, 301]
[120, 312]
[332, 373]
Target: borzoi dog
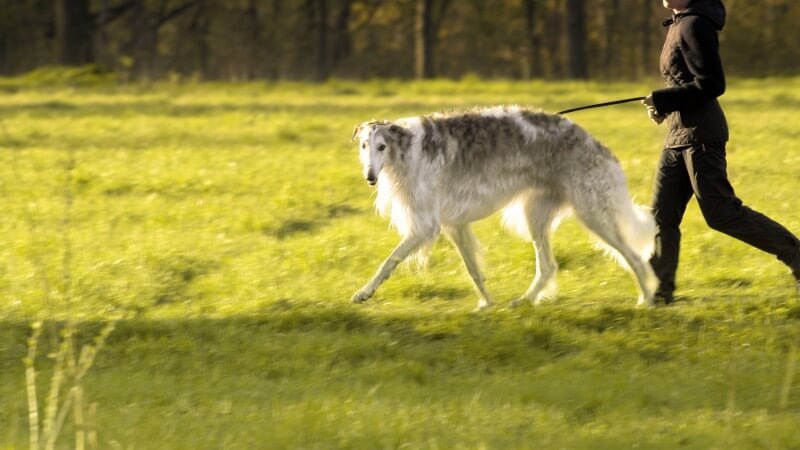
[440, 173]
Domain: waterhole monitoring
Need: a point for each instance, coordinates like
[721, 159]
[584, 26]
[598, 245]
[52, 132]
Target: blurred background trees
[319, 39]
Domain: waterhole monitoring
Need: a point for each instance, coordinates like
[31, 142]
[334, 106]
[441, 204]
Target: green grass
[228, 225]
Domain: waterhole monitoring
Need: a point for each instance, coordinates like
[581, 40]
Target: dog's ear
[372, 123]
[356, 131]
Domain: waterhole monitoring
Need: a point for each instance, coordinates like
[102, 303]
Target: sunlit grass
[229, 225]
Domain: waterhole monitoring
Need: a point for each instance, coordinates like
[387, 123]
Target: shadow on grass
[307, 335]
[583, 361]
[426, 293]
[324, 215]
[310, 336]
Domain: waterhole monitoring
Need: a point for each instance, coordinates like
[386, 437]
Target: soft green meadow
[227, 225]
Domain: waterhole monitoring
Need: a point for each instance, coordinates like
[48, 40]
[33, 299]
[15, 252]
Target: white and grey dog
[440, 173]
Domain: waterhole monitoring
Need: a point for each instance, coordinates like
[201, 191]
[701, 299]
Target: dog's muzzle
[371, 178]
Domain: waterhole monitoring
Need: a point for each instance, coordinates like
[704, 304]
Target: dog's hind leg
[540, 212]
[406, 247]
[467, 245]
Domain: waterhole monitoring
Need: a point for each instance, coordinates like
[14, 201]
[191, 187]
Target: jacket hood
[713, 10]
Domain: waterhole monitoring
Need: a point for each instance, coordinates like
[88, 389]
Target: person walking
[693, 159]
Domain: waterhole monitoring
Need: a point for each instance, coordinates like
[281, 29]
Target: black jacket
[692, 71]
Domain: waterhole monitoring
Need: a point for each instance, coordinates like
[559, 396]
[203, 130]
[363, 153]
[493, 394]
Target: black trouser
[701, 170]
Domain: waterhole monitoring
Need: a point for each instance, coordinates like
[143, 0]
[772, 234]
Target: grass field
[226, 226]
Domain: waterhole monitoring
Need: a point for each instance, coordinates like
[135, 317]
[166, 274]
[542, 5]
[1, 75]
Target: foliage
[229, 225]
[317, 39]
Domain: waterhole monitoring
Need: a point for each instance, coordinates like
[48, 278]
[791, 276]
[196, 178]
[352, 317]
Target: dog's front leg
[406, 247]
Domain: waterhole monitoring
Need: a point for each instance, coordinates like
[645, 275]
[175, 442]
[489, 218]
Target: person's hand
[651, 110]
[654, 116]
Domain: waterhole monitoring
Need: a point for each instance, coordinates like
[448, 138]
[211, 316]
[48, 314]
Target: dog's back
[483, 159]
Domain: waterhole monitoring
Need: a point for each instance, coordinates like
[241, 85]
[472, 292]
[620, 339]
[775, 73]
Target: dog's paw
[525, 300]
[361, 296]
[645, 303]
[518, 302]
[483, 305]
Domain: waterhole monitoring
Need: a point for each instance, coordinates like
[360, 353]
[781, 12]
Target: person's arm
[700, 47]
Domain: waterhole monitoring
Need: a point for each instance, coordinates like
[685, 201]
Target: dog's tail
[637, 228]
[633, 224]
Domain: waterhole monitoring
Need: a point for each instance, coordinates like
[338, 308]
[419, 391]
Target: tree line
[320, 39]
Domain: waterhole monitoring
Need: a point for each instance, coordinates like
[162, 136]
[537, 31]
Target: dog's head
[378, 141]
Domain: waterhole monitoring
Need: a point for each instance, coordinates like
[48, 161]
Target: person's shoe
[796, 274]
[667, 298]
[794, 266]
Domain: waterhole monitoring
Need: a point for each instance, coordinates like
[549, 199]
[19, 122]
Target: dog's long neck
[407, 190]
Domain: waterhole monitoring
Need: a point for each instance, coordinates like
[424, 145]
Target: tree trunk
[646, 31]
[342, 44]
[576, 40]
[553, 30]
[611, 13]
[273, 49]
[423, 52]
[428, 18]
[3, 54]
[253, 66]
[104, 51]
[534, 68]
[145, 41]
[73, 32]
[321, 47]
[199, 35]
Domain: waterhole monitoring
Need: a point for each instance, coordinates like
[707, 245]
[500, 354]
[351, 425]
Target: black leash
[598, 105]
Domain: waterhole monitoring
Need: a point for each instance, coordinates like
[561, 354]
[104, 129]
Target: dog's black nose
[371, 180]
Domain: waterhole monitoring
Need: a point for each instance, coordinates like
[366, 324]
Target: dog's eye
[364, 145]
[381, 147]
